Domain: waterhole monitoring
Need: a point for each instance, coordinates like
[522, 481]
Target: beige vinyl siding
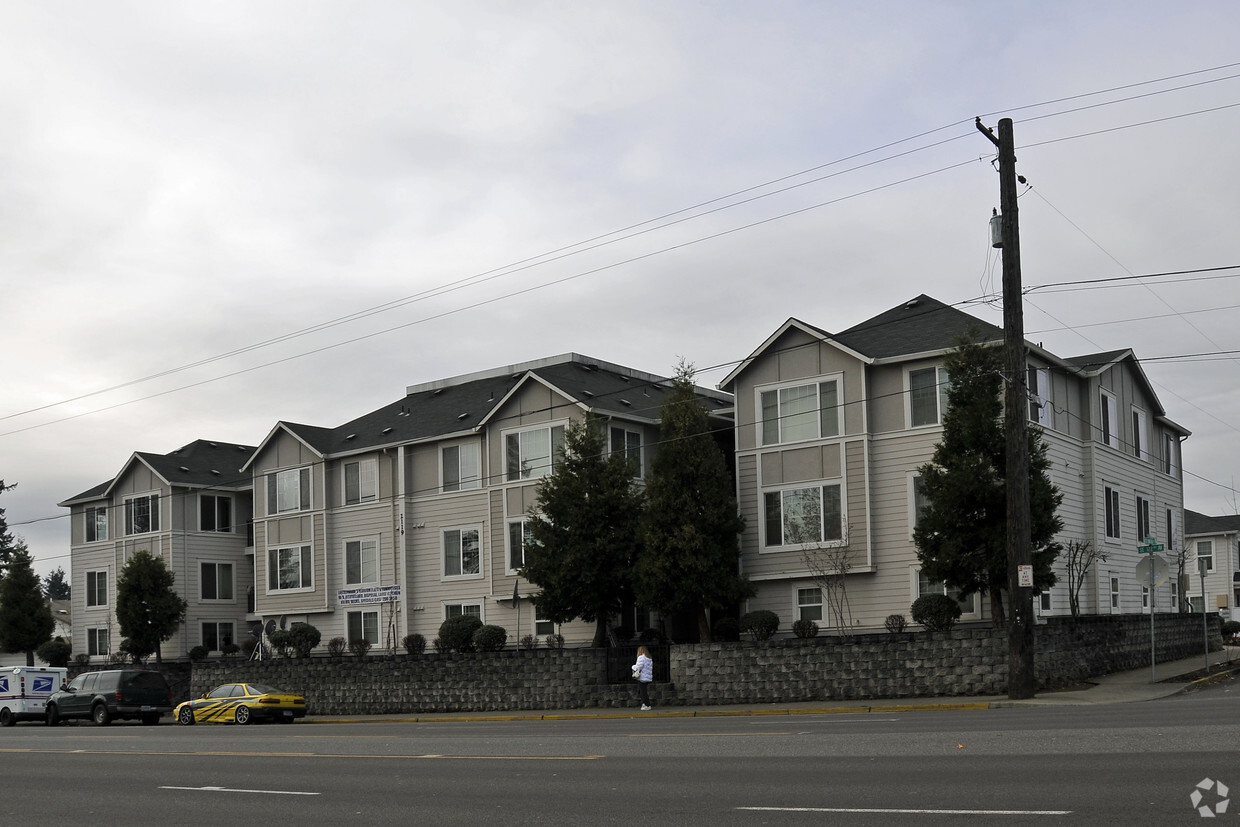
[283, 452]
[305, 529]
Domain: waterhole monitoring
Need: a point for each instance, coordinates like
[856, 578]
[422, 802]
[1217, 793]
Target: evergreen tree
[148, 608]
[25, 618]
[961, 533]
[57, 585]
[8, 543]
[690, 557]
[585, 531]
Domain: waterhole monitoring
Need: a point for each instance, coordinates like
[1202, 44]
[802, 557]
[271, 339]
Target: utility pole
[1019, 552]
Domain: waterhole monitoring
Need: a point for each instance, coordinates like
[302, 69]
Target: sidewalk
[1119, 687]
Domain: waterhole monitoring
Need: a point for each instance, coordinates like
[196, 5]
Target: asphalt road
[1118, 764]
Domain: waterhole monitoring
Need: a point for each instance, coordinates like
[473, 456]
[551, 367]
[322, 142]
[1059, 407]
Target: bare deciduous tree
[828, 567]
[1080, 558]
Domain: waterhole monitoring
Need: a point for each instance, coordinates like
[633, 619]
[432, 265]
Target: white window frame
[231, 580]
[543, 627]
[942, 383]
[782, 495]
[511, 526]
[305, 568]
[1111, 513]
[915, 481]
[1140, 434]
[970, 608]
[366, 473]
[132, 515]
[460, 532]
[221, 640]
[215, 500]
[366, 547]
[1045, 604]
[460, 467]
[630, 444]
[1206, 554]
[1039, 391]
[364, 620]
[1170, 458]
[1114, 599]
[93, 590]
[96, 523]
[775, 423]
[523, 470]
[1170, 538]
[451, 610]
[807, 607]
[290, 484]
[1145, 527]
[98, 640]
[1108, 418]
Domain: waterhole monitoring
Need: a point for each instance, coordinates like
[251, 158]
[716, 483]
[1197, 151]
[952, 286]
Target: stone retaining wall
[963, 662]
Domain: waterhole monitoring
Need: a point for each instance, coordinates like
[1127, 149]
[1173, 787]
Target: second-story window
[461, 467]
[215, 512]
[1205, 555]
[288, 491]
[803, 515]
[1039, 396]
[629, 443]
[96, 524]
[97, 588]
[361, 562]
[1140, 437]
[1110, 498]
[1109, 419]
[532, 454]
[1143, 518]
[142, 514]
[215, 581]
[289, 568]
[800, 412]
[927, 395]
[361, 481]
[461, 552]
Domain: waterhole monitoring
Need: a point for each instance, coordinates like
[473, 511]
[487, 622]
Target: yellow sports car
[242, 703]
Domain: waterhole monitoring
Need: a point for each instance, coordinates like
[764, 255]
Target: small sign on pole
[1025, 575]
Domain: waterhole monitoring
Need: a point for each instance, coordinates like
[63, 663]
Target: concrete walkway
[1119, 687]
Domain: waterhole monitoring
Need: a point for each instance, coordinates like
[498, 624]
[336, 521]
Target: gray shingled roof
[921, 325]
[1196, 523]
[201, 463]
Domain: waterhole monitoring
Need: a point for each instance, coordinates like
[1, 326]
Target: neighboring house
[190, 507]
[376, 529]
[1214, 541]
[62, 616]
[831, 428]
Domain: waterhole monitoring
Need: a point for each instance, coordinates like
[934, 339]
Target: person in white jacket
[643, 670]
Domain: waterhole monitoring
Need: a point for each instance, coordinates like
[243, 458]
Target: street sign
[1024, 575]
[1151, 571]
[1150, 547]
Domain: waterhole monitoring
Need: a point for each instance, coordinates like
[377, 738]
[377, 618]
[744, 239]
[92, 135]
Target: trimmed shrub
[555, 641]
[55, 652]
[726, 628]
[336, 646]
[414, 644]
[439, 646]
[229, 650]
[197, 653]
[760, 625]
[529, 642]
[895, 624]
[81, 659]
[281, 642]
[302, 638]
[804, 628]
[937, 612]
[1230, 628]
[489, 638]
[359, 647]
[457, 633]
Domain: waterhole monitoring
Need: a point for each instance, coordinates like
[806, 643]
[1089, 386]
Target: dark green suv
[105, 696]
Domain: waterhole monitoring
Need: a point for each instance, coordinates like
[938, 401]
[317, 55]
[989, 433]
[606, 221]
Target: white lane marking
[902, 811]
[229, 790]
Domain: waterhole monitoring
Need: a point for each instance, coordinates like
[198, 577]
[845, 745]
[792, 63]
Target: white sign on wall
[368, 594]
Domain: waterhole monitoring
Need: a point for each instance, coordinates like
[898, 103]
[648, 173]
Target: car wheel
[6, 717]
[186, 718]
[52, 715]
[150, 720]
[242, 715]
[100, 715]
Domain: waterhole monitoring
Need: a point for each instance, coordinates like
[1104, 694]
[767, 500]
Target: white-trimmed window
[532, 453]
[1109, 419]
[1110, 497]
[215, 581]
[216, 634]
[97, 641]
[1039, 390]
[800, 412]
[1170, 538]
[215, 513]
[288, 491]
[795, 516]
[927, 395]
[1170, 457]
[918, 500]
[519, 537]
[1175, 595]
[629, 443]
[142, 514]
[290, 568]
[968, 605]
[361, 481]
[97, 588]
[462, 552]
[451, 610]
[1145, 600]
[1143, 519]
[1140, 435]
[1045, 602]
[543, 627]
[96, 523]
[361, 561]
[1205, 554]
[1114, 595]
[809, 604]
[461, 467]
[363, 625]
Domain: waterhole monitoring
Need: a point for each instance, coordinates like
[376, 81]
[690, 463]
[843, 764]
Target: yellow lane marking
[305, 755]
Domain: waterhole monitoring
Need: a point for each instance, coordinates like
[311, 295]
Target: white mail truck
[24, 691]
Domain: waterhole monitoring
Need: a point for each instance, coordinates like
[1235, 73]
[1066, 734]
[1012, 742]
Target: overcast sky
[182, 182]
